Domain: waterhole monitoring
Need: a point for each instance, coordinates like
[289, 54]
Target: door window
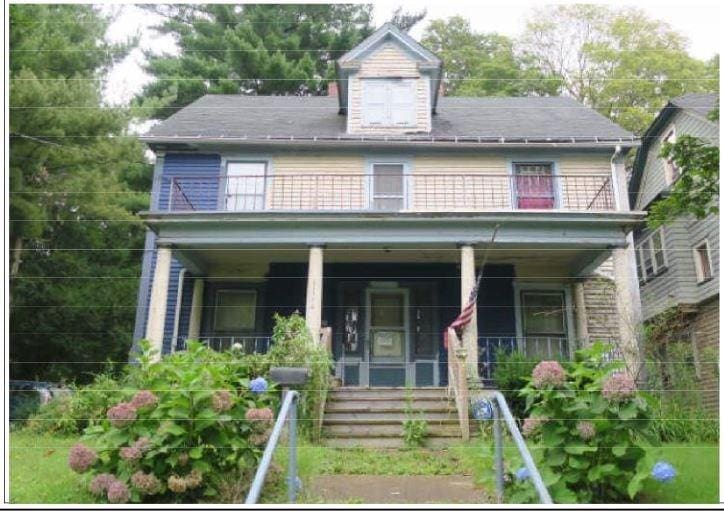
[534, 185]
[245, 186]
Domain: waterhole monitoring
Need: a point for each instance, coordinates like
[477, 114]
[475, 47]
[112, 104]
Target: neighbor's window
[651, 255]
[534, 185]
[388, 103]
[672, 171]
[235, 310]
[702, 261]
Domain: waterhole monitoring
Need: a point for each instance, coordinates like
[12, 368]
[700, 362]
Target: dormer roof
[350, 62]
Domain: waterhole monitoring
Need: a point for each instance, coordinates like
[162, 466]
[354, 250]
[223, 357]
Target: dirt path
[386, 489]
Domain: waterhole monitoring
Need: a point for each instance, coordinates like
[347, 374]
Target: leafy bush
[197, 419]
[292, 346]
[510, 374]
[70, 413]
[592, 425]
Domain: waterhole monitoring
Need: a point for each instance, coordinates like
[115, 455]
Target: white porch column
[159, 297]
[579, 298]
[313, 309]
[628, 297]
[470, 333]
[197, 302]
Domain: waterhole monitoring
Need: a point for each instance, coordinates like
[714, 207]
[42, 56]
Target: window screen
[388, 186]
[235, 310]
[534, 185]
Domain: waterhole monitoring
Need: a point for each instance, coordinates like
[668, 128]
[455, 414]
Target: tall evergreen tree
[76, 179]
[249, 49]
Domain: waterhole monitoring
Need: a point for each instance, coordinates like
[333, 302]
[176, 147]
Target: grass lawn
[39, 472]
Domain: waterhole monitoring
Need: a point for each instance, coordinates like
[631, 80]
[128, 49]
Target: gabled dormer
[388, 84]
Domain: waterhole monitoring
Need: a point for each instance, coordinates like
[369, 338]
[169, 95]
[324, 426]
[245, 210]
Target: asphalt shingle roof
[261, 117]
[700, 103]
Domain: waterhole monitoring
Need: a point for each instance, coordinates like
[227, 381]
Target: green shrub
[510, 374]
[70, 413]
[292, 346]
[673, 422]
[192, 422]
[592, 426]
[414, 427]
[23, 405]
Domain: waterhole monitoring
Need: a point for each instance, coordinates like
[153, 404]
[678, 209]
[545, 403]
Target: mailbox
[288, 376]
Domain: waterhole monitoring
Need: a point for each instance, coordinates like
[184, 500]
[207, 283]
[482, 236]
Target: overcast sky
[700, 22]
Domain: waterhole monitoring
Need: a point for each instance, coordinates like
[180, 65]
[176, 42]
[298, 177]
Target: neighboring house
[370, 210]
[678, 264]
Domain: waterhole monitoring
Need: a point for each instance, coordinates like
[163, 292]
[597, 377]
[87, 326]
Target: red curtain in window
[534, 187]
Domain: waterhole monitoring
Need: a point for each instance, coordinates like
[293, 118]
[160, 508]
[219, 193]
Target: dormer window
[388, 103]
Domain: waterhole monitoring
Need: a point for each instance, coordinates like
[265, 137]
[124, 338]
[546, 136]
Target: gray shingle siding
[678, 284]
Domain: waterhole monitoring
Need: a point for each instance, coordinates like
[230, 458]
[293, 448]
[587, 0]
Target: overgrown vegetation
[593, 429]
[510, 374]
[414, 427]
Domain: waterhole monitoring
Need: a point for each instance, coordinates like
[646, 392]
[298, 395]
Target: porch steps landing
[373, 417]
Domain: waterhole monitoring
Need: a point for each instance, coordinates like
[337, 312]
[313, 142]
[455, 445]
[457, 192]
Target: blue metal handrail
[288, 411]
[501, 406]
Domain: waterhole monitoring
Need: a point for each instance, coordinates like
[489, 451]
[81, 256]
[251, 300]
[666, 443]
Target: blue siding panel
[204, 195]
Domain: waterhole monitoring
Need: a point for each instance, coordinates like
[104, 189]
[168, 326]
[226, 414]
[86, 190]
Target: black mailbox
[287, 376]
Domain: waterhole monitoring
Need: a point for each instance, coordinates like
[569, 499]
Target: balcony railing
[419, 192]
[548, 348]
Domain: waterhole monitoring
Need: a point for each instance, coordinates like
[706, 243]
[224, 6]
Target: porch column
[159, 297]
[313, 309]
[197, 302]
[628, 297]
[470, 333]
[579, 298]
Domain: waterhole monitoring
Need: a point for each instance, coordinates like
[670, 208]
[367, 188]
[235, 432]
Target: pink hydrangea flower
[259, 415]
[531, 425]
[121, 415]
[176, 484]
[81, 458]
[194, 479]
[143, 444]
[548, 372]
[618, 387]
[222, 401]
[586, 430]
[131, 453]
[144, 399]
[99, 484]
[146, 483]
[118, 492]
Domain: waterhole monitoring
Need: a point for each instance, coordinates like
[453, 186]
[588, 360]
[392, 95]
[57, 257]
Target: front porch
[384, 309]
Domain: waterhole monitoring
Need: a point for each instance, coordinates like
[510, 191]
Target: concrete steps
[373, 417]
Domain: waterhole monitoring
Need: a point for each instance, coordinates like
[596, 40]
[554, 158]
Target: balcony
[418, 192]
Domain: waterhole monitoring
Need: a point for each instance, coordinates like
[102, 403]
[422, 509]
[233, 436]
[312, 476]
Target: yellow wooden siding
[388, 61]
[447, 182]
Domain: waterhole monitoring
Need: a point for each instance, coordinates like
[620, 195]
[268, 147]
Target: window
[672, 171]
[388, 103]
[235, 310]
[388, 186]
[651, 255]
[245, 186]
[534, 187]
[544, 323]
[702, 261]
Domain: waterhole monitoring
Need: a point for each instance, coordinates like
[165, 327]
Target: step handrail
[501, 406]
[287, 411]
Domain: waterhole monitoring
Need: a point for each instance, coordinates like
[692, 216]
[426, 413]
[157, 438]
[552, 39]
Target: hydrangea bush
[592, 428]
[196, 417]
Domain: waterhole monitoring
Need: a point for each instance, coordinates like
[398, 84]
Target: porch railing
[533, 347]
[247, 344]
[457, 381]
[421, 192]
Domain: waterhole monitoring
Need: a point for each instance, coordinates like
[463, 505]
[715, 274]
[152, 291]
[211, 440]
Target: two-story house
[371, 209]
[678, 263]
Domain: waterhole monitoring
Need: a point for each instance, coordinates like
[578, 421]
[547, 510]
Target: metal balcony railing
[548, 348]
[246, 344]
[420, 192]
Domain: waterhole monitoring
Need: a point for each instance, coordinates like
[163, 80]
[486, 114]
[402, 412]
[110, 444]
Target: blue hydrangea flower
[663, 472]
[258, 385]
[522, 474]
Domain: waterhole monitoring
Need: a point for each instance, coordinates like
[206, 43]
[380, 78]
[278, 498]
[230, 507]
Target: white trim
[670, 132]
[697, 261]
[520, 286]
[177, 311]
[647, 243]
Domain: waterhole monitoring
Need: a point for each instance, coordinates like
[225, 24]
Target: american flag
[466, 316]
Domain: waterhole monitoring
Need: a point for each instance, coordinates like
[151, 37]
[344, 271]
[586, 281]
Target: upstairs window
[534, 185]
[702, 261]
[651, 256]
[388, 103]
[672, 171]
